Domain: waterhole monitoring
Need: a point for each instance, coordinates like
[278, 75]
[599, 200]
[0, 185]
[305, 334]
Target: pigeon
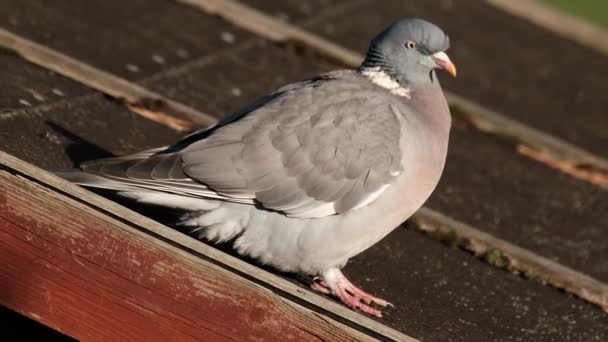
[314, 173]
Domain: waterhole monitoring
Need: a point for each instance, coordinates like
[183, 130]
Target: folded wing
[322, 147]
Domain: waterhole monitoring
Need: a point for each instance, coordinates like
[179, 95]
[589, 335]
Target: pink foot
[335, 283]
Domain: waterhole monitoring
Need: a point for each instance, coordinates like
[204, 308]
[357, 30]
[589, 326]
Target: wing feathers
[310, 150]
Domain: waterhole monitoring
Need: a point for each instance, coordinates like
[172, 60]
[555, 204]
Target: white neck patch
[382, 79]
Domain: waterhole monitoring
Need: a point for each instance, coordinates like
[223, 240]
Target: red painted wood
[84, 274]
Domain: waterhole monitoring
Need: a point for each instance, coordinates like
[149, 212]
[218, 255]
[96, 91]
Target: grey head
[409, 51]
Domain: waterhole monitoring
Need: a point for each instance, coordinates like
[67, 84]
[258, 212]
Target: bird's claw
[351, 295]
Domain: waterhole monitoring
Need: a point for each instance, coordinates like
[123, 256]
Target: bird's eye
[410, 44]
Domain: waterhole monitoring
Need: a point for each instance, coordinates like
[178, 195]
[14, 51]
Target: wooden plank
[105, 255]
[94, 281]
[557, 21]
[513, 258]
[482, 118]
[139, 99]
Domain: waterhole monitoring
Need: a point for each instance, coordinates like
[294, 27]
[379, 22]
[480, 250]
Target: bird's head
[409, 51]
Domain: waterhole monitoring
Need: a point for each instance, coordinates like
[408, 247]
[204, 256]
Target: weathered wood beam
[95, 270]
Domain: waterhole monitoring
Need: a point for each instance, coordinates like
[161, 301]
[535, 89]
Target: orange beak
[443, 61]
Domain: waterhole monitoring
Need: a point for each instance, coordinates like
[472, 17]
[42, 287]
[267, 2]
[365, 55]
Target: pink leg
[334, 282]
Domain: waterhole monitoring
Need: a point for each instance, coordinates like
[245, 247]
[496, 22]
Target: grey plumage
[315, 172]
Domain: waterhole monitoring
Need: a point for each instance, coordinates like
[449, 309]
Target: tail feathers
[210, 219]
[91, 180]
